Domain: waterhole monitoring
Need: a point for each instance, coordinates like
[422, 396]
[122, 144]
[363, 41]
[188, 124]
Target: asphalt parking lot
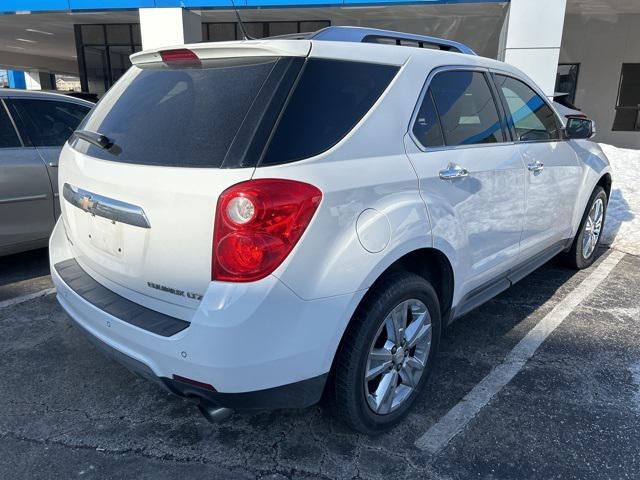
[572, 411]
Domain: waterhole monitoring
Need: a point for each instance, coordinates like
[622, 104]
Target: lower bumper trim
[123, 309]
[293, 395]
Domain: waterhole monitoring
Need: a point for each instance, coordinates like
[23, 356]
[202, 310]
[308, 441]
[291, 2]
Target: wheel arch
[605, 182]
[431, 264]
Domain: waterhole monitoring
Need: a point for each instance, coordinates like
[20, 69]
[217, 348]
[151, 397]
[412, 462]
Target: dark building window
[220, 32]
[103, 53]
[627, 117]
[103, 50]
[567, 80]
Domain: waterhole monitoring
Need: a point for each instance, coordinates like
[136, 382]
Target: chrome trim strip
[105, 207]
[22, 199]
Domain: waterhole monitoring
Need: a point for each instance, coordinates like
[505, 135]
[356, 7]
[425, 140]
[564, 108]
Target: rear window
[330, 98]
[233, 112]
[206, 116]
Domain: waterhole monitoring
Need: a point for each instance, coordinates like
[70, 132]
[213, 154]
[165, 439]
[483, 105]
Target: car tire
[403, 295]
[582, 253]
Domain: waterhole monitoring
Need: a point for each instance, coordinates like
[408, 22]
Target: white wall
[601, 44]
[163, 27]
[531, 37]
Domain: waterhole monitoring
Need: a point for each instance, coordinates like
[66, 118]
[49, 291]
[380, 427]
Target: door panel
[26, 212]
[46, 124]
[479, 216]
[551, 195]
[50, 157]
[553, 172]
[471, 178]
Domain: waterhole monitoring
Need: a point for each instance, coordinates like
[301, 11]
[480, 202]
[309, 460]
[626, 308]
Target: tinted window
[329, 100]
[567, 80]
[427, 126]
[467, 109]
[8, 136]
[48, 123]
[187, 116]
[531, 117]
[628, 105]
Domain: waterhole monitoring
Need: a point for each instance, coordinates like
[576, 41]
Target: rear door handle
[453, 171]
[536, 167]
[53, 164]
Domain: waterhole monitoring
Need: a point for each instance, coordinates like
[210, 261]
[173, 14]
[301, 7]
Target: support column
[531, 38]
[37, 80]
[16, 79]
[163, 27]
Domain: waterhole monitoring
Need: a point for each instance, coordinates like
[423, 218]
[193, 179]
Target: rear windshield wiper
[94, 138]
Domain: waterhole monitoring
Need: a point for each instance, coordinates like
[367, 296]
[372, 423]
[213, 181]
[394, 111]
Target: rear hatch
[140, 209]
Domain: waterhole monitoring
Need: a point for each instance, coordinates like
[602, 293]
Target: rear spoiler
[247, 48]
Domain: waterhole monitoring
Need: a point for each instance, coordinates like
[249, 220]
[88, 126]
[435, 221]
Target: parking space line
[440, 434]
[27, 297]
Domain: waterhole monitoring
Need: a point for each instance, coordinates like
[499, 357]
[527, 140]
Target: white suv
[256, 223]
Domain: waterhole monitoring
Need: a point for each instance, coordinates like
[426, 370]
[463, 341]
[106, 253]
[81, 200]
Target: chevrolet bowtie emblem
[86, 203]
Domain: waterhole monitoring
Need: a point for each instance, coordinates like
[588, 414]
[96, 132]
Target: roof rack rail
[374, 35]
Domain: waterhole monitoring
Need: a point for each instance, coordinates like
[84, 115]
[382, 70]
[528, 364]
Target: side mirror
[580, 128]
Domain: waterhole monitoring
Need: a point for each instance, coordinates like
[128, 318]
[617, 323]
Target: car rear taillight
[257, 224]
[179, 56]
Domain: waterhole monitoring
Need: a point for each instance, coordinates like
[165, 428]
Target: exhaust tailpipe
[214, 414]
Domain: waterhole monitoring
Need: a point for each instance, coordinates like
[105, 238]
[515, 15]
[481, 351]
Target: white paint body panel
[290, 323]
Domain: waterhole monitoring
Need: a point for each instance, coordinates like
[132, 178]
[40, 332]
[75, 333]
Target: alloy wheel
[592, 228]
[398, 356]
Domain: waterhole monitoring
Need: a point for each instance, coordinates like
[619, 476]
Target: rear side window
[426, 128]
[205, 115]
[530, 116]
[8, 136]
[467, 109]
[331, 97]
[47, 123]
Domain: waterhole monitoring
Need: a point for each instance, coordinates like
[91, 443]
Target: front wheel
[386, 354]
[582, 253]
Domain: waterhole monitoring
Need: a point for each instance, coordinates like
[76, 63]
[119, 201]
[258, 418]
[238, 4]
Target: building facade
[586, 49]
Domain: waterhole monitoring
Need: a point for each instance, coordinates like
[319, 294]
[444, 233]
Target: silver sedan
[33, 128]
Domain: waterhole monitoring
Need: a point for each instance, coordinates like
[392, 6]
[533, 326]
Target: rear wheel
[386, 354]
[582, 253]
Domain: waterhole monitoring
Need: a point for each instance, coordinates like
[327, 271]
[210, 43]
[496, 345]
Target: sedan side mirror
[580, 128]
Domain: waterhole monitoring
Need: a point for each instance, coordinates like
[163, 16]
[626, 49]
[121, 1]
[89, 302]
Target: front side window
[529, 115]
[8, 136]
[467, 109]
[47, 123]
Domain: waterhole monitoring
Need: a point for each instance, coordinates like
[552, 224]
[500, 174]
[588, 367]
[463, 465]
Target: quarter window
[330, 98]
[467, 109]
[8, 136]
[529, 114]
[48, 123]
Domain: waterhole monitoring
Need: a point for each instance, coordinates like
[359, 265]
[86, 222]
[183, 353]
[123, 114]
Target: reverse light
[179, 55]
[257, 224]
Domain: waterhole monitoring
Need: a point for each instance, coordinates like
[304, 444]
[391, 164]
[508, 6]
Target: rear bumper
[258, 345]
